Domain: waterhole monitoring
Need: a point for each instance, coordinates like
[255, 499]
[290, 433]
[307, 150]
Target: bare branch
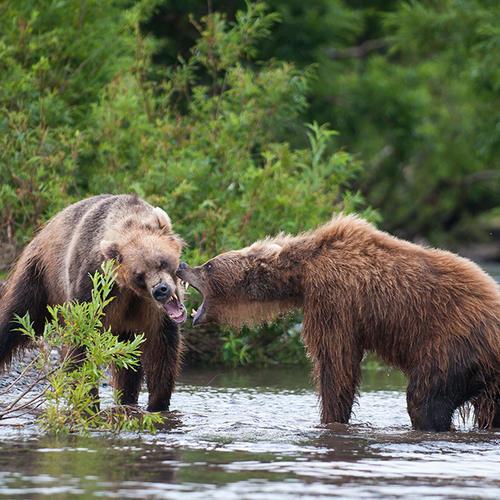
[7, 389]
[28, 404]
[11, 406]
[483, 175]
[359, 51]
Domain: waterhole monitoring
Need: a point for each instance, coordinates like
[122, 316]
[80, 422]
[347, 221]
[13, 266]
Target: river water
[254, 434]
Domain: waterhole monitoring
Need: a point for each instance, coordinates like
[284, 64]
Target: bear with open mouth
[55, 267]
[430, 313]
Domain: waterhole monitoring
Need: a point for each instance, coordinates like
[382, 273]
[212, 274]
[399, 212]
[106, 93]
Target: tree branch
[359, 51]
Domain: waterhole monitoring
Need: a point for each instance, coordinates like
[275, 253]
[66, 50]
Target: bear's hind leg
[24, 293]
[432, 402]
[495, 421]
[430, 414]
[486, 410]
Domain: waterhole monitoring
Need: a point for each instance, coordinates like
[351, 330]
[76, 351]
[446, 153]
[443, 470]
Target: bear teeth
[174, 296]
[193, 313]
[185, 284]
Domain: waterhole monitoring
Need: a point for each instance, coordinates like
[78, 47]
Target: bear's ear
[163, 219]
[274, 249]
[263, 250]
[111, 251]
[271, 251]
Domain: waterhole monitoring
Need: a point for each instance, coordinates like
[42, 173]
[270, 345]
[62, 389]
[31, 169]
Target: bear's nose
[182, 266]
[161, 292]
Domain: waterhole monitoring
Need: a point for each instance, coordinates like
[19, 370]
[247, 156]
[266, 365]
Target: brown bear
[428, 312]
[54, 269]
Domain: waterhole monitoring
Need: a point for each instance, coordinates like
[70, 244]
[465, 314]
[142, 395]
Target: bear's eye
[163, 264]
[209, 266]
[139, 279]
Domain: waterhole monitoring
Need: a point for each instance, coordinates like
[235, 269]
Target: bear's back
[68, 247]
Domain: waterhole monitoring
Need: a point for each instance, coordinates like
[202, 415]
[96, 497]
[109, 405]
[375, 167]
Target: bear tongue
[176, 310]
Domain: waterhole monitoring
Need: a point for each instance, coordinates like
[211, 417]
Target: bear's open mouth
[175, 309]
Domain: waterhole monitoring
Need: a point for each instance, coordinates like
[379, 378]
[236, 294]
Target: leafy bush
[202, 139]
[424, 117]
[53, 65]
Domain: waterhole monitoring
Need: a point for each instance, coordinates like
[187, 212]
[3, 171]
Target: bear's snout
[182, 266]
[161, 292]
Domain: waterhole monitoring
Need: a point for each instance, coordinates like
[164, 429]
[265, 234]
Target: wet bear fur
[428, 312]
[54, 269]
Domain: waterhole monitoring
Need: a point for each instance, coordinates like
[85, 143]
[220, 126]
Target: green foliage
[203, 139]
[424, 117]
[420, 106]
[52, 67]
[217, 137]
[210, 155]
[277, 343]
[308, 29]
[70, 404]
[234, 349]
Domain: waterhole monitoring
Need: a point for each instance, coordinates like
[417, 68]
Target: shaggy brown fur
[55, 268]
[430, 313]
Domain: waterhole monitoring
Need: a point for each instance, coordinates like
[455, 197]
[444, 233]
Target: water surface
[255, 434]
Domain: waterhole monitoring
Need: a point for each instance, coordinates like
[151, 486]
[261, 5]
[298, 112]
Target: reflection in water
[256, 435]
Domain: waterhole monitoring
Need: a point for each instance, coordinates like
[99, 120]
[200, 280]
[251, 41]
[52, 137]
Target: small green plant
[234, 350]
[70, 402]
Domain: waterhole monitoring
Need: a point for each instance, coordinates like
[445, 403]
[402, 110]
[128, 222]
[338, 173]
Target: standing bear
[54, 269]
[430, 313]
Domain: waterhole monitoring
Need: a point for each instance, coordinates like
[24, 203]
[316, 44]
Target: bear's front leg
[337, 355]
[337, 389]
[161, 359]
[128, 382]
